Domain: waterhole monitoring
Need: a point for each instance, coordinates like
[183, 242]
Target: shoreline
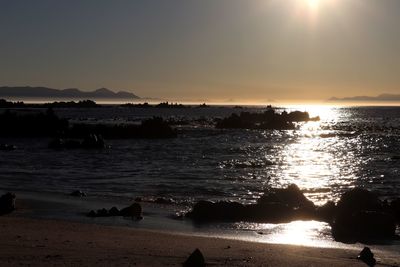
[44, 242]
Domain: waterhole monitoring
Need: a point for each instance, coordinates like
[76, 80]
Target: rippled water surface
[348, 147]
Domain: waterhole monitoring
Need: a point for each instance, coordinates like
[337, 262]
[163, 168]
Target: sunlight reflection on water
[305, 233]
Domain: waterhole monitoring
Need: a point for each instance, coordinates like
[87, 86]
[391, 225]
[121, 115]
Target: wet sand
[38, 242]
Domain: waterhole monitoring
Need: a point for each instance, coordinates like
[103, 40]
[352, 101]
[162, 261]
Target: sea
[349, 147]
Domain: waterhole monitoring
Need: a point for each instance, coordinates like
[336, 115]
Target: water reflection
[305, 233]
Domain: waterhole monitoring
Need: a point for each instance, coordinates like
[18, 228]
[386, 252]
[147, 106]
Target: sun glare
[313, 3]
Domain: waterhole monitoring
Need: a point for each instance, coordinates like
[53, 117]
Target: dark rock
[114, 211]
[134, 211]
[358, 199]
[364, 226]
[268, 120]
[196, 259]
[327, 212]
[290, 196]
[102, 213]
[78, 193]
[92, 213]
[7, 203]
[138, 199]
[395, 209]
[361, 216]
[277, 205]
[367, 257]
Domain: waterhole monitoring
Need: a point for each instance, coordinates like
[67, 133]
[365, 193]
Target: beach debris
[367, 257]
[196, 259]
[7, 203]
[78, 193]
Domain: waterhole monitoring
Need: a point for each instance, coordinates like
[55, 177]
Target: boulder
[290, 196]
[134, 211]
[360, 215]
[326, 212]
[114, 211]
[7, 203]
[364, 226]
[196, 259]
[367, 257]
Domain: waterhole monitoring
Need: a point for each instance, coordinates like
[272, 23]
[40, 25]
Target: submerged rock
[7, 203]
[196, 259]
[367, 257]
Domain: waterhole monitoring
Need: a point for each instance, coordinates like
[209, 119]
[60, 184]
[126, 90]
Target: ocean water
[348, 147]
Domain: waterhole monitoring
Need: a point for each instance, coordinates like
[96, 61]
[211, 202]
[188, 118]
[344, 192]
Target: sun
[313, 4]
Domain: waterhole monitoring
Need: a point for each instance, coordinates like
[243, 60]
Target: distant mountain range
[382, 97]
[44, 92]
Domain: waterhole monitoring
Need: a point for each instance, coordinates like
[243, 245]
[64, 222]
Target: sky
[204, 50]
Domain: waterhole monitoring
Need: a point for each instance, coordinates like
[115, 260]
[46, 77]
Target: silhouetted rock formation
[276, 206]
[134, 211]
[8, 104]
[7, 203]
[196, 259]
[367, 257]
[32, 125]
[268, 120]
[160, 105]
[49, 125]
[358, 216]
[169, 105]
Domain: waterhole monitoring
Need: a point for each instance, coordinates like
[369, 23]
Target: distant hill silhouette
[382, 97]
[44, 92]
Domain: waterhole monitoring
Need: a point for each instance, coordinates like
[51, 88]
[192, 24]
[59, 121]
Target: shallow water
[349, 147]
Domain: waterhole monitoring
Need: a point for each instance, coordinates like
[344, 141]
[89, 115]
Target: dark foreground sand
[37, 242]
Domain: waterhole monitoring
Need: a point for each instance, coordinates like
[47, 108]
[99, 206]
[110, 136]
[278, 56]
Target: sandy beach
[37, 242]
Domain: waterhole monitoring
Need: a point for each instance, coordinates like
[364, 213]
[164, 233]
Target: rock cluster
[134, 211]
[359, 215]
